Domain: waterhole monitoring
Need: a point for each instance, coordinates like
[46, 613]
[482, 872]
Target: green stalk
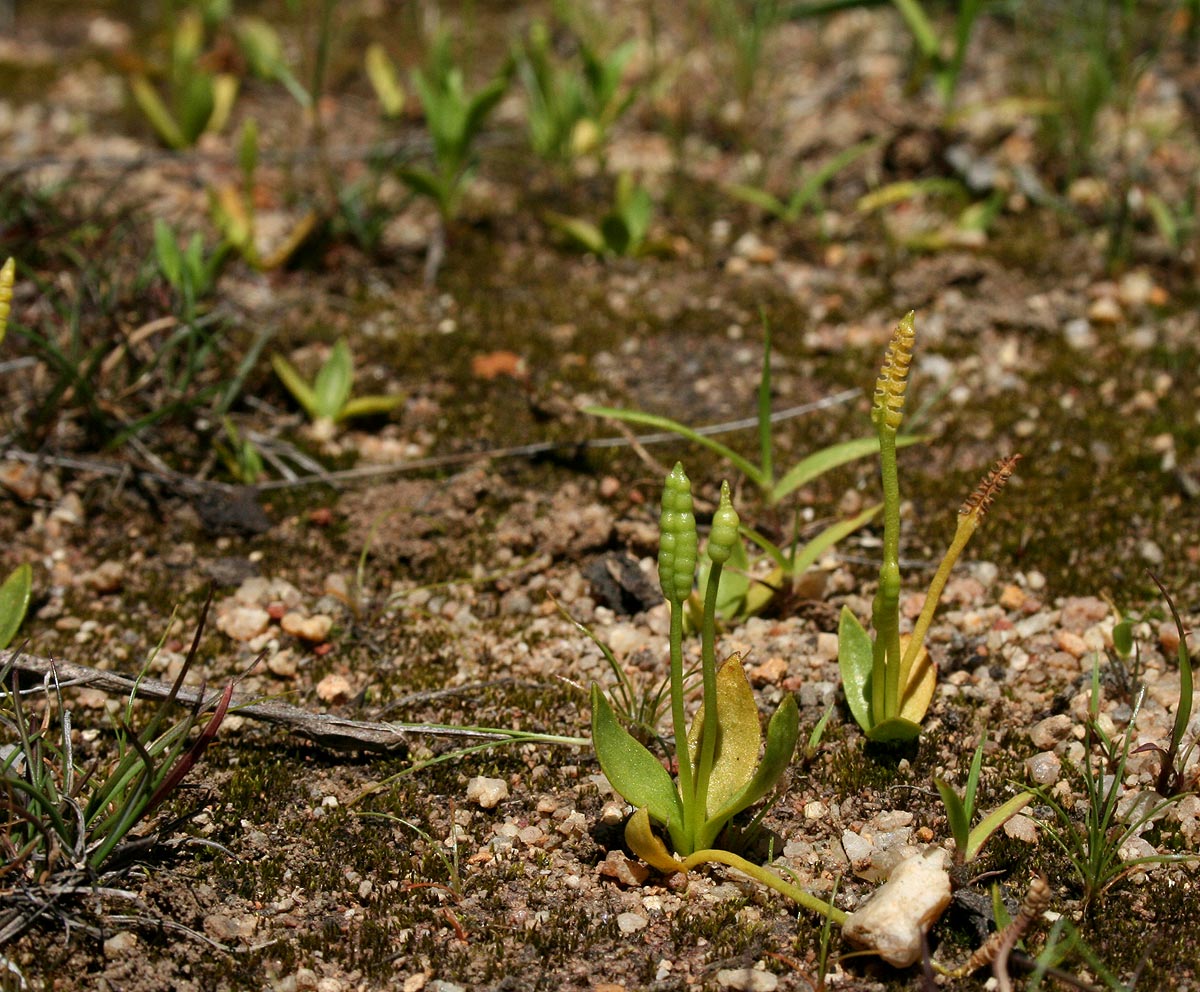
[765, 457]
[708, 666]
[679, 724]
[962, 534]
[885, 613]
[769, 879]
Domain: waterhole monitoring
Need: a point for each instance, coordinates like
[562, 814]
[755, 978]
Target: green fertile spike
[724, 534]
[677, 542]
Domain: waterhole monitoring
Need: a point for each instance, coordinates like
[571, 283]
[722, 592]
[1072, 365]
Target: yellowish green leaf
[739, 735]
[648, 846]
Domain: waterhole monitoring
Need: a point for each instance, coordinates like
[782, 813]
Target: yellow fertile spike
[978, 502]
[7, 274]
[888, 408]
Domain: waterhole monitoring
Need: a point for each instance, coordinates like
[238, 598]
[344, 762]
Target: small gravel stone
[314, 629]
[244, 623]
[120, 943]
[1012, 597]
[1022, 828]
[770, 672]
[107, 577]
[747, 980]
[1054, 729]
[487, 792]
[334, 689]
[1071, 643]
[623, 869]
[283, 664]
[1044, 768]
[631, 922]
[223, 927]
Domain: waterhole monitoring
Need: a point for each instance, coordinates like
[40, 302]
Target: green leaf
[425, 183]
[14, 601]
[248, 150]
[783, 731]
[194, 104]
[632, 771]
[636, 208]
[618, 238]
[583, 233]
[260, 44]
[385, 81]
[993, 822]
[758, 198]
[151, 104]
[734, 584]
[482, 104]
[334, 381]
[813, 183]
[956, 816]
[301, 391]
[166, 251]
[820, 462]
[827, 539]
[739, 736]
[751, 472]
[1122, 637]
[973, 774]
[369, 406]
[896, 730]
[855, 662]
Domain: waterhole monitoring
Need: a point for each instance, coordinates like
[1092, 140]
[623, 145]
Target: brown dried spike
[979, 500]
[1037, 898]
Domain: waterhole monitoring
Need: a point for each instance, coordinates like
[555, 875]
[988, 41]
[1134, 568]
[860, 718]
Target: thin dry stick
[326, 729]
[187, 483]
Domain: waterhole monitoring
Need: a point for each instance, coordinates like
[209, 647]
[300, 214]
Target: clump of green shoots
[571, 109]
[960, 811]
[720, 770]
[197, 100]
[328, 399]
[455, 120]
[64, 824]
[1174, 757]
[1094, 845]
[188, 269]
[889, 681]
[623, 232]
[233, 211]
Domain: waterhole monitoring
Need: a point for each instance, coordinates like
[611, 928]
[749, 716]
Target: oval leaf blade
[739, 735]
[855, 663]
[631, 770]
